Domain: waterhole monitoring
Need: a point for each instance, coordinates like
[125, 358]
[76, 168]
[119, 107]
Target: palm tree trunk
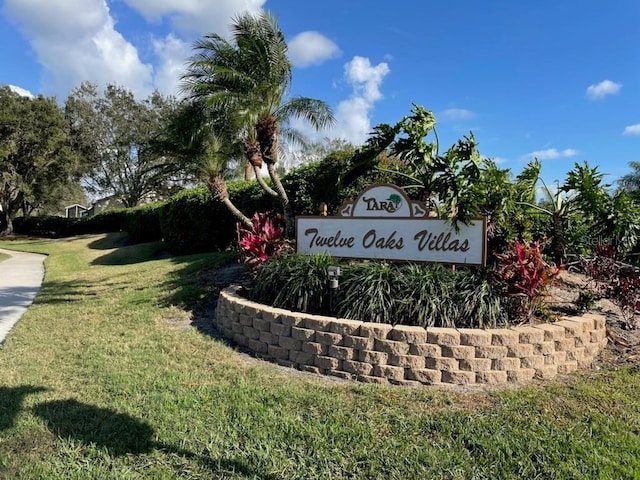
[284, 199]
[218, 189]
[262, 183]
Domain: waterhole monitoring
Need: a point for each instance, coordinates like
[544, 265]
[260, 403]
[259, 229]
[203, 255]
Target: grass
[99, 380]
[4, 256]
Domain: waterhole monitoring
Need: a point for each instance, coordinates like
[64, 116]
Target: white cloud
[80, 44]
[352, 114]
[172, 53]
[552, 154]
[457, 114]
[311, 48]
[602, 89]
[196, 16]
[20, 91]
[632, 129]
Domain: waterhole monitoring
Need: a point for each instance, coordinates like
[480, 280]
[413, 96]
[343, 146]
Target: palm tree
[249, 78]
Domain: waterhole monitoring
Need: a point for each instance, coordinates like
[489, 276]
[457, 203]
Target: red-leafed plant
[263, 240]
[525, 275]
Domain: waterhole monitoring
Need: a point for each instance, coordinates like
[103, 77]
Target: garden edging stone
[409, 355]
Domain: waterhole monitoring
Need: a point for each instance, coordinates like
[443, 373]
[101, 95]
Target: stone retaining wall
[406, 355]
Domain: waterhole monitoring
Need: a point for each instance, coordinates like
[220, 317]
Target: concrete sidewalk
[20, 280]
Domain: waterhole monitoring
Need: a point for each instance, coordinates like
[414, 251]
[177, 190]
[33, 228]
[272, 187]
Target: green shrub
[104, 222]
[425, 295]
[45, 226]
[295, 282]
[143, 223]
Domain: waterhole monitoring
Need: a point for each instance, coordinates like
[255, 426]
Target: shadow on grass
[11, 399]
[109, 241]
[131, 254]
[121, 434]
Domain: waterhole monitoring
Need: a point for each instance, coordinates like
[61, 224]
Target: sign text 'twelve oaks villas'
[383, 223]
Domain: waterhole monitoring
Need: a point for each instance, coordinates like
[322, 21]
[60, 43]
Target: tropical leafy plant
[264, 240]
[525, 275]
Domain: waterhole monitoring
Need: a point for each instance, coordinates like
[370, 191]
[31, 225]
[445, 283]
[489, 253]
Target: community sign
[383, 223]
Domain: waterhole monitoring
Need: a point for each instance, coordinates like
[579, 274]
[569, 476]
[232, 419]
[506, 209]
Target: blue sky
[559, 80]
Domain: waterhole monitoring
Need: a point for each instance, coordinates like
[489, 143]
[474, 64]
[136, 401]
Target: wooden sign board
[383, 223]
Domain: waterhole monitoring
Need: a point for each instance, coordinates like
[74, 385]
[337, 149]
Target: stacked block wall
[407, 355]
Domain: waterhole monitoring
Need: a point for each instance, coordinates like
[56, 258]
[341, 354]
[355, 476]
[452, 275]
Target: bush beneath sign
[425, 295]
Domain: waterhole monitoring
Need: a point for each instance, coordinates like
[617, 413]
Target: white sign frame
[384, 224]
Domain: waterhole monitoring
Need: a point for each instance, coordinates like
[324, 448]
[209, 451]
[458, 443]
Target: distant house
[76, 211]
[106, 203]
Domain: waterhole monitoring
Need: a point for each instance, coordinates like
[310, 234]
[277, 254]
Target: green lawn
[101, 380]
[4, 256]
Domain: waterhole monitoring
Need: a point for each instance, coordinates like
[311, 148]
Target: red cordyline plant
[525, 274]
[264, 240]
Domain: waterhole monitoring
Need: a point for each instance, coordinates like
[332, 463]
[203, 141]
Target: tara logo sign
[383, 223]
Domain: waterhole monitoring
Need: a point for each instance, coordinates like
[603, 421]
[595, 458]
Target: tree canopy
[114, 133]
[37, 162]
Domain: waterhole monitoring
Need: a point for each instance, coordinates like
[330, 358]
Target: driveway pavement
[20, 280]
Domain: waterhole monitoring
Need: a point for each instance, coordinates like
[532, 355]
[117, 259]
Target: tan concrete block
[490, 376]
[269, 338]
[234, 316]
[443, 336]
[389, 372]
[520, 350]
[568, 367]
[592, 350]
[551, 331]
[339, 374]
[372, 379]
[257, 346]
[261, 325]
[442, 363]
[459, 351]
[285, 363]
[271, 314]
[425, 376]
[528, 334]
[582, 340]
[357, 368]
[586, 362]
[521, 375]
[407, 361]
[246, 320]
[372, 356]
[342, 353]
[280, 330]
[237, 327]
[391, 347]
[240, 339]
[503, 336]
[459, 377]
[304, 334]
[278, 353]
[571, 327]
[359, 343]
[534, 361]
[545, 348]
[318, 323]
[375, 330]
[327, 363]
[565, 344]
[328, 338]
[250, 332]
[291, 320]
[588, 322]
[508, 363]
[475, 364]
[408, 334]
[302, 358]
[311, 369]
[597, 336]
[556, 358]
[315, 348]
[426, 350]
[576, 354]
[491, 351]
[474, 337]
[546, 372]
[290, 343]
[344, 326]
[599, 321]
